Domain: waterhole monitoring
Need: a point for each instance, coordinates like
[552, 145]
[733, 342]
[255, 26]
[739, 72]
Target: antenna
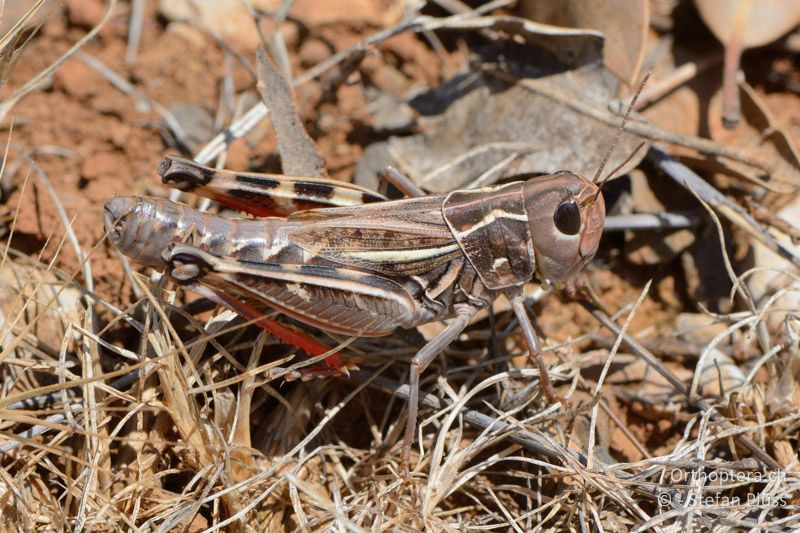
[619, 133]
[627, 160]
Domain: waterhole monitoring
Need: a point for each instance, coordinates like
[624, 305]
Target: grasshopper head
[566, 215]
[141, 228]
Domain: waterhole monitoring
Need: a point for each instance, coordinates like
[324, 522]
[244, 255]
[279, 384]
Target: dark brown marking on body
[179, 258]
[182, 174]
[259, 181]
[369, 198]
[319, 190]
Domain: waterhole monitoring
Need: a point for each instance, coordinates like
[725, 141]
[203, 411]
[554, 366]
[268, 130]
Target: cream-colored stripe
[222, 267]
[399, 256]
[492, 217]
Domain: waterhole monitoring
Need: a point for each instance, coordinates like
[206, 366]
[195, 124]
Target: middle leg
[534, 351]
[420, 362]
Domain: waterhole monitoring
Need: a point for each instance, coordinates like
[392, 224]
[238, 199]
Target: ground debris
[131, 402]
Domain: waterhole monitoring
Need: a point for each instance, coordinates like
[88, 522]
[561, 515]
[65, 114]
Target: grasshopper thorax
[550, 225]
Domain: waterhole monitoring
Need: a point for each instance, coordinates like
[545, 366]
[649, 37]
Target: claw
[325, 369]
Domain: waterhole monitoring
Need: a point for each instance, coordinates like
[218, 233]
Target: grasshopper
[373, 266]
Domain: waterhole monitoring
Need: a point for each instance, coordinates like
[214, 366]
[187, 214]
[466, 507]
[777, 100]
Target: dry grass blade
[623, 330]
[20, 25]
[411, 21]
[699, 403]
[733, 212]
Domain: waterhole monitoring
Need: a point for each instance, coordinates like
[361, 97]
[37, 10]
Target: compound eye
[568, 218]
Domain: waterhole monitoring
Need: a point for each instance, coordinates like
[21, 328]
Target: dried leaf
[566, 46]
[624, 23]
[762, 21]
[763, 156]
[698, 328]
[299, 154]
[475, 124]
[782, 392]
